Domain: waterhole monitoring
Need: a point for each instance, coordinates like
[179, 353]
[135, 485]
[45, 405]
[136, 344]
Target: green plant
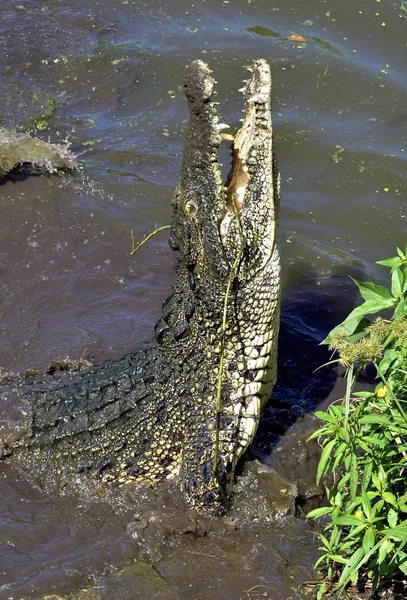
[364, 441]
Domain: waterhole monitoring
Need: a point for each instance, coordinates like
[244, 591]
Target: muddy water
[107, 76]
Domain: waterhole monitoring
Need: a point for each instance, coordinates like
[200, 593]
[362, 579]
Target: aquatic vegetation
[364, 443]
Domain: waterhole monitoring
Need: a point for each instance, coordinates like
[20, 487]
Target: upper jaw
[242, 211]
[256, 93]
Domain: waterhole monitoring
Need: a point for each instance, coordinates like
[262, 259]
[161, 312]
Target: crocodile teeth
[255, 98]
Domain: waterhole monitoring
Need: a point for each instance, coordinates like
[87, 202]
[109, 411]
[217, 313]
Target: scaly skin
[153, 412]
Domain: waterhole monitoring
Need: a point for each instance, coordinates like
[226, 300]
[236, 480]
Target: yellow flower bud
[382, 392]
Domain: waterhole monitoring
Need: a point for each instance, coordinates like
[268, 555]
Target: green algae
[25, 107]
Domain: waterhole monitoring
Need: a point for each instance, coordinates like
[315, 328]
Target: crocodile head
[228, 286]
[213, 221]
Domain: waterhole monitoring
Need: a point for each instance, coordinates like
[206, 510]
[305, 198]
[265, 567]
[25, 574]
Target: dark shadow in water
[22, 172]
[311, 307]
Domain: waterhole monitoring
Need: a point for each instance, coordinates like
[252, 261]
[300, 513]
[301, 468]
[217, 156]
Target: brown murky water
[107, 75]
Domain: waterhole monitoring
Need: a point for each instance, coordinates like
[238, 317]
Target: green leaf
[400, 308]
[321, 559]
[348, 545]
[397, 283]
[354, 476]
[338, 411]
[375, 441]
[348, 520]
[362, 394]
[318, 433]
[324, 416]
[392, 517]
[384, 569]
[367, 507]
[321, 591]
[397, 533]
[376, 482]
[323, 539]
[402, 562]
[338, 558]
[374, 419]
[382, 474]
[389, 357]
[389, 498]
[368, 540]
[324, 459]
[355, 532]
[363, 445]
[367, 474]
[403, 567]
[350, 566]
[338, 456]
[385, 547]
[342, 483]
[372, 306]
[392, 262]
[353, 327]
[371, 291]
[338, 499]
[319, 512]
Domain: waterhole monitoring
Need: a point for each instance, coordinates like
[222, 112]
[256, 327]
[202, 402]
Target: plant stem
[150, 235]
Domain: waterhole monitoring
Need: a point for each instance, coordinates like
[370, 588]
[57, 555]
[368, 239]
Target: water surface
[107, 76]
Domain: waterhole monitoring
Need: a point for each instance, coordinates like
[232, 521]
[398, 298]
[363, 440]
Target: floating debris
[296, 38]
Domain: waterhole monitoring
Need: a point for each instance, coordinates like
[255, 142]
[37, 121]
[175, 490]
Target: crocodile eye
[191, 208]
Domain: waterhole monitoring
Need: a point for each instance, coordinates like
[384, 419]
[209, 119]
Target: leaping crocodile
[189, 403]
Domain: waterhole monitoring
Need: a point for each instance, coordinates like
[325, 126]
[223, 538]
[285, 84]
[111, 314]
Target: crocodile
[188, 404]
